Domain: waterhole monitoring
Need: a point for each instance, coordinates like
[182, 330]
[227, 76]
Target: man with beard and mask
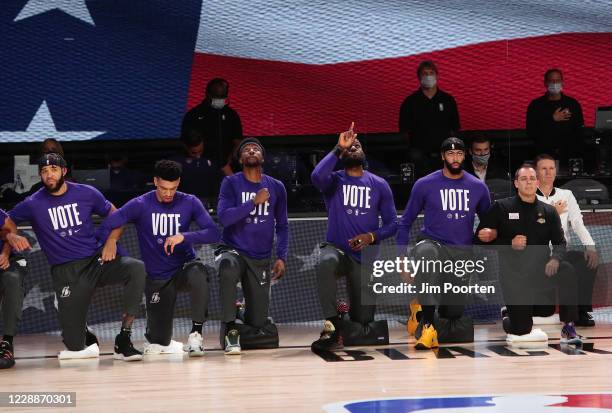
[481, 163]
[355, 198]
[449, 199]
[554, 120]
[60, 215]
[252, 209]
[162, 218]
[218, 123]
[427, 117]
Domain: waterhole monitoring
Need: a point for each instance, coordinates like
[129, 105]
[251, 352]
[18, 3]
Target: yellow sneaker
[428, 339]
[413, 323]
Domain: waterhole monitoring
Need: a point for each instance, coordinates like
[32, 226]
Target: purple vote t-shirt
[63, 223]
[449, 206]
[155, 221]
[250, 228]
[354, 204]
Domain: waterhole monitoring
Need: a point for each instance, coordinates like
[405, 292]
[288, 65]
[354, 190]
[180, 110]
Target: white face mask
[555, 88]
[428, 81]
[217, 103]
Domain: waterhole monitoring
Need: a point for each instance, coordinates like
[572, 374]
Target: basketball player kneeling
[252, 209]
[355, 198]
[162, 218]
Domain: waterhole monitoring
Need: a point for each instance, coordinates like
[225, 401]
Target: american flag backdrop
[116, 69]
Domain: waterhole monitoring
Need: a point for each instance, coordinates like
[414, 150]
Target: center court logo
[583, 403]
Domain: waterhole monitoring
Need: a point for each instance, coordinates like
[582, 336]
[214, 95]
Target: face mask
[555, 88]
[428, 81]
[481, 159]
[217, 103]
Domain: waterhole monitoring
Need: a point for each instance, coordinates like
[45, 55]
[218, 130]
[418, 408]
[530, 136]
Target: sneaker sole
[196, 353]
[571, 340]
[420, 346]
[135, 357]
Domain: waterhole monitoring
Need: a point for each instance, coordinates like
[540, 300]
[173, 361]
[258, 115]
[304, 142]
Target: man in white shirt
[566, 205]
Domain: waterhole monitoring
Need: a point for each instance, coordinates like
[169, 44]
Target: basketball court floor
[484, 376]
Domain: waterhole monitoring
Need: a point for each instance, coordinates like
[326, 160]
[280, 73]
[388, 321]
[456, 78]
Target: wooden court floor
[292, 379]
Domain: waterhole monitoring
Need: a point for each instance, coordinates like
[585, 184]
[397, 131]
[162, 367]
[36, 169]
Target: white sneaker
[92, 351]
[535, 336]
[175, 347]
[543, 321]
[195, 345]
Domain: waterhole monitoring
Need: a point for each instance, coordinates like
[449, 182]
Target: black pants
[334, 263]
[254, 276]
[11, 294]
[161, 295]
[531, 296]
[586, 280]
[450, 306]
[75, 283]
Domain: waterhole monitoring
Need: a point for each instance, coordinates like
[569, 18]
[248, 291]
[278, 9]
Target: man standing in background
[427, 117]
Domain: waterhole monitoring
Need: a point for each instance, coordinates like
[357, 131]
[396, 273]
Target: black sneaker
[124, 349]
[90, 338]
[330, 339]
[7, 359]
[585, 320]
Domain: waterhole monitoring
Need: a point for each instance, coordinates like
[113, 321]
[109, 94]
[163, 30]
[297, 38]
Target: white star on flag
[310, 261]
[74, 8]
[36, 298]
[42, 126]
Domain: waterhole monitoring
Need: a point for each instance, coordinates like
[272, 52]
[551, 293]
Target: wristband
[337, 151]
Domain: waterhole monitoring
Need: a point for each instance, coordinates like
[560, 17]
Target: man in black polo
[218, 123]
[554, 120]
[427, 117]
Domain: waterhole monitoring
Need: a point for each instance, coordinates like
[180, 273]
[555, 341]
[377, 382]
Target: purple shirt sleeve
[322, 175]
[388, 214]
[226, 211]
[208, 232]
[21, 212]
[282, 223]
[413, 207]
[127, 213]
[485, 202]
[2, 217]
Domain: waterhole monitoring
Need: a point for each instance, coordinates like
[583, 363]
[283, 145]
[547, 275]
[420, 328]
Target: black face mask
[453, 171]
